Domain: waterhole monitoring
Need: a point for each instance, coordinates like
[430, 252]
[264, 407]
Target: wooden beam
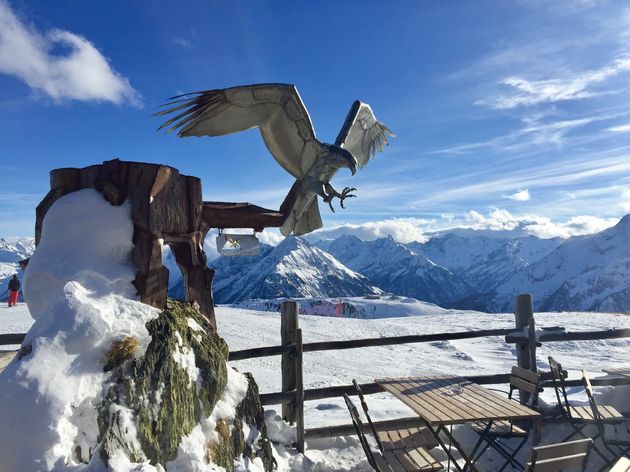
[12, 338]
[261, 352]
[386, 341]
[240, 215]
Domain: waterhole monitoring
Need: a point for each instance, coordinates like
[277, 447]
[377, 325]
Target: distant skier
[14, 290]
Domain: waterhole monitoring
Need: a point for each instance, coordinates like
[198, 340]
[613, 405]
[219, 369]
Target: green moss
[166, 405]
[250, 411]
[221, 452]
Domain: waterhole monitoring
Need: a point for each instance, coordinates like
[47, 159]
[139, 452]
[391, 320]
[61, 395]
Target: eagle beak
[352, 163]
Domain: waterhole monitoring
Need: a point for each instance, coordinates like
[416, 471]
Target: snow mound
[78, 313]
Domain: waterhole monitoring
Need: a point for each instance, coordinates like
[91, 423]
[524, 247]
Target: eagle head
[340, 157]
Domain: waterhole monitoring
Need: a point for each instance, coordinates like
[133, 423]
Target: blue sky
[508, 115]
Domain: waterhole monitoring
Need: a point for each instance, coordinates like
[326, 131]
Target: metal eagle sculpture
[286, 128]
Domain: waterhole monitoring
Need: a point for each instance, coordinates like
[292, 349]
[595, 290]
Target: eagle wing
[362, 134]
[276, 109]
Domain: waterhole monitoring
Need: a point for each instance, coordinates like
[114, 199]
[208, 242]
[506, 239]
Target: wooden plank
[533, 377]
[392, 388]
[556, 464]
[424, 457]
[475, 404]
[563, 449]
[348, 429]
[299, 387]
[622, 465]
[427, 406]
[394, 462]
[288, 329]
[465, 406]
[261, 352]
[495, 406]
[6, 339]
[471, 402]
[521, 384]
[409, 339]
[428, 397]
[623, 371]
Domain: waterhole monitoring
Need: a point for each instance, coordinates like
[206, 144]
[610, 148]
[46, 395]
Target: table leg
[482, 438]
[443, 429]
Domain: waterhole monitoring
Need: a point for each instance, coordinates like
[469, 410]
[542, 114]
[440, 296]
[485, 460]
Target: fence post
[288, 330]
[526, 350]
[299, 391]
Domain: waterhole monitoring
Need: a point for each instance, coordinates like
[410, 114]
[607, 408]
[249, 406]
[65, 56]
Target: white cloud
[497, 222]
[625, 199]
[573, 87]
[404, 230]
[81, 73]
[620, 129]
[520, 196]
[182, 42]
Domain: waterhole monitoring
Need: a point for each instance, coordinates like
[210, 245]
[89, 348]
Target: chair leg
[515, 451]
[577, 430]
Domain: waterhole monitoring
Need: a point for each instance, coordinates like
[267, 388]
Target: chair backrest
[557, 377]
[358, 426]
[559, 457]
[591, 400]
[367, 413]
[527, 381]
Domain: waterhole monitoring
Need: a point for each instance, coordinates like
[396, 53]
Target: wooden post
[288, 329]
[525, 354]
[299, 391]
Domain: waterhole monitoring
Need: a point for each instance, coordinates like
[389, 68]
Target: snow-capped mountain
[293, 268]
[482, 261]
[11, 252]
[590, 273]
[397, 268]
[455, 270]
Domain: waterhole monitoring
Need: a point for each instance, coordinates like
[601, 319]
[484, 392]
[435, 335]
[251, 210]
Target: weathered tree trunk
[166, 208]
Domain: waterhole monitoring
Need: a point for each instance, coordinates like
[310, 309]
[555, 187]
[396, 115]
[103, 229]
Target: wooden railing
[293, 395]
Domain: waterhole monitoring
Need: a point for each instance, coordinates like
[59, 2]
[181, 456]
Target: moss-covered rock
[158, 399]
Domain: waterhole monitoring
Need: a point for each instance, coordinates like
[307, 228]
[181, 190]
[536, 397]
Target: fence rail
[293, 394]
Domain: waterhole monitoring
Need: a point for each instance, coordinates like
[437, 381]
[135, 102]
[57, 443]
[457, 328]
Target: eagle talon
[345, 193]
[332, 193]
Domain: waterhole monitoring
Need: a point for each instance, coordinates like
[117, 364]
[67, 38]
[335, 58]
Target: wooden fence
[293, 395]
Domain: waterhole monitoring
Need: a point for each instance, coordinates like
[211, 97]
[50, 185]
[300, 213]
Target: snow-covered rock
[68, 403]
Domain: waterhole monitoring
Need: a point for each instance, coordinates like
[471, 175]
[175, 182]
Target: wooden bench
[417, 459]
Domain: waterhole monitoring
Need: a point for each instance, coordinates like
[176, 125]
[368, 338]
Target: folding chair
[579, 417]
[393, 439]
[560, 457]
[396, 460]
[613, 435]
[501, 431]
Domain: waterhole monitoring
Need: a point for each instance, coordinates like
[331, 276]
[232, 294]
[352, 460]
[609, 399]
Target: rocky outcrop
[156, 401]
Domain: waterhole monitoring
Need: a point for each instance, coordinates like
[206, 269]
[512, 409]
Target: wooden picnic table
[623, 371]
[447, 400]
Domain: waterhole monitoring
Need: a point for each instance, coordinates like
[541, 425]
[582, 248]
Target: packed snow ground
[243, 329]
